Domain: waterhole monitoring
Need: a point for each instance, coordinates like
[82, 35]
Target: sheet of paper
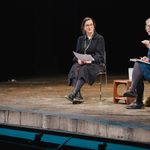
[84, 57]
[139, 60]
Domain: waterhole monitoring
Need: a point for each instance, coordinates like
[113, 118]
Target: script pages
[84, 57]
[139, 60]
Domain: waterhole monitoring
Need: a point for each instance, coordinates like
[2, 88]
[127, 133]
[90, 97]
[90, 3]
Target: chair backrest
[101, 73]
[105, 56]
[104, 72]
[105, 63]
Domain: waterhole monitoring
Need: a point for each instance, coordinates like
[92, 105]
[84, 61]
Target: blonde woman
[141, 72]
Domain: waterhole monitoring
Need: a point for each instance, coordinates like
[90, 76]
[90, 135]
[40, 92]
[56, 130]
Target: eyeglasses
[147, 26]
[89, 25]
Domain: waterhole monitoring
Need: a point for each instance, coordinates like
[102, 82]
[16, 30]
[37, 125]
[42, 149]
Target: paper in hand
[84, 57]
[138, 60]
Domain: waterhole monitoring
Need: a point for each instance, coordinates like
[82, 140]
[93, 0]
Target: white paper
[84, 57]
[139, 60]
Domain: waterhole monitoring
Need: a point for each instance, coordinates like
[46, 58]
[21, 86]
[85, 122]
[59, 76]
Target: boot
[78, 99]
[130, 93]
[138, 104]
[71, 96]
[79, 96]
[135, 106]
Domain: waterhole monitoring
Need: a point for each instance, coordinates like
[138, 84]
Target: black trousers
[137, 84]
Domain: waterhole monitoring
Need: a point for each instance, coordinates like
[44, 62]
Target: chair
[101, 74]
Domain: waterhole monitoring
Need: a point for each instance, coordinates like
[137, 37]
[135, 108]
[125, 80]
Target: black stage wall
[39, 36]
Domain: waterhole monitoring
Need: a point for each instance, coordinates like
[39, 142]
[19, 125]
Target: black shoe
[130, 94]
[77, 101]
[135, 106]
[79, 96]
[71, 96]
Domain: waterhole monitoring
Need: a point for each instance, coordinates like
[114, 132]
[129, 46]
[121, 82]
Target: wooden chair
[116, 95]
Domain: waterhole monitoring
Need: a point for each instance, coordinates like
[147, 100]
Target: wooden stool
[116, 96]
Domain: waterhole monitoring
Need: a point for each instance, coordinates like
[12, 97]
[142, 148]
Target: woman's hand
[88, 62]
[144, 58]
[146, 43]
[84, 62]
[80, 62]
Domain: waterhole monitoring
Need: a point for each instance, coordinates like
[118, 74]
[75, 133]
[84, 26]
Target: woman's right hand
[144, 58]
[146, 43]
[80, 62]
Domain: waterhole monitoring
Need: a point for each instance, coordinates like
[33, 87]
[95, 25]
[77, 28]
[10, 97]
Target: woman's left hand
[84, 62]
[87, 62]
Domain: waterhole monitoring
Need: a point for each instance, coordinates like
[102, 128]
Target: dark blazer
[96, 48]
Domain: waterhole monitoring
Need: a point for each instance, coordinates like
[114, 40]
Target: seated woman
[86, 71]
[141, 72]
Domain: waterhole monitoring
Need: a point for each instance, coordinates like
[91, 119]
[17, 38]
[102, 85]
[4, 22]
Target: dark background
[39, 36]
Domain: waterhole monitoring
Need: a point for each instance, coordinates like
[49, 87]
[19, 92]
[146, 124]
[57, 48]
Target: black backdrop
[39, 36]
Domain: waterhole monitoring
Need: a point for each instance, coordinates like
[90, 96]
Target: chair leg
[101, 77]
[100, 96]
[100, 88]
[106, 79]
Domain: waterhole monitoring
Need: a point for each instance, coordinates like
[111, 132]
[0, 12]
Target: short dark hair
[83, 23]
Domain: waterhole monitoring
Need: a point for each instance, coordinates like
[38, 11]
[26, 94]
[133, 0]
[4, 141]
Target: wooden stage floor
[46, 95]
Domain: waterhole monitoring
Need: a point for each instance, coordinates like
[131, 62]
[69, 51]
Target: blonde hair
[147, 20]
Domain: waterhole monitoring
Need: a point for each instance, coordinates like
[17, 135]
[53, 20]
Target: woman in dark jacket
[86, 71]
[141, 72]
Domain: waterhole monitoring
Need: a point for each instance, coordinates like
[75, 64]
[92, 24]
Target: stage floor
[47, 95]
